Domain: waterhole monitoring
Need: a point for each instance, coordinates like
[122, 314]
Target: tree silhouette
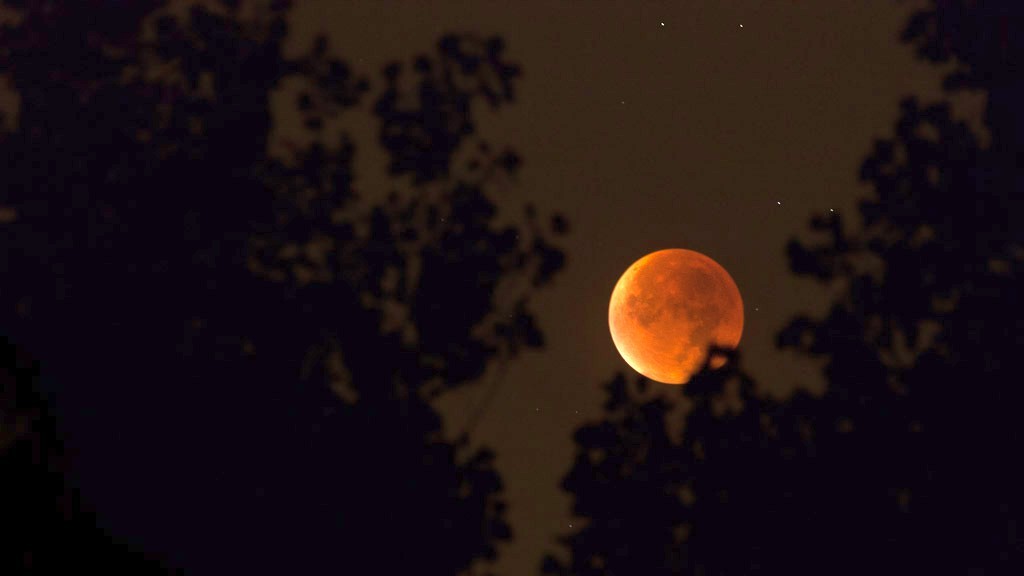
[244, 346]
[47, 527]
[927, 313]
[905, 463]
[710, 482]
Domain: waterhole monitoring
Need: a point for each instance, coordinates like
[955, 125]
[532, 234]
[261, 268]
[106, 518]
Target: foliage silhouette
[246, 347]
[709, 498]
[48, 531]
[905, 463]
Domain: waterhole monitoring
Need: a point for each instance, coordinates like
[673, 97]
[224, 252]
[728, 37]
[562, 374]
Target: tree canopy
[243, 345]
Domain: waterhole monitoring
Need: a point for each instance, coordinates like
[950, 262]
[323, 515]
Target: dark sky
[714, 126]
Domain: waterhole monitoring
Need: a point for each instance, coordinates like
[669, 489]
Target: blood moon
[668, 308]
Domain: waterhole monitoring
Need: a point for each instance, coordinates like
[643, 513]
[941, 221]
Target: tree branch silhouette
[167, 262]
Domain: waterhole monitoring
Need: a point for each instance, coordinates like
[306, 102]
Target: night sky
[661, 125]
[719, 127]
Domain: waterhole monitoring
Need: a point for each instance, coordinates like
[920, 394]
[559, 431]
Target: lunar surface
[669, 308]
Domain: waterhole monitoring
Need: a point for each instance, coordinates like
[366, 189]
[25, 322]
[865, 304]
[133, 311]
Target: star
[779, 202]
[741, 25]
[662, 23]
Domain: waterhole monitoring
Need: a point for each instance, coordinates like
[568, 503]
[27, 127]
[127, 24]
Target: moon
[668, 308]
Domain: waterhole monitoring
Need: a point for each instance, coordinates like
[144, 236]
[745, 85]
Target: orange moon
[668, 308]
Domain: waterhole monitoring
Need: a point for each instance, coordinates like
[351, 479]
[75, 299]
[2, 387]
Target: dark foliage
[725, 491]
[47, 529]
[242, 347]
[907, 463]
